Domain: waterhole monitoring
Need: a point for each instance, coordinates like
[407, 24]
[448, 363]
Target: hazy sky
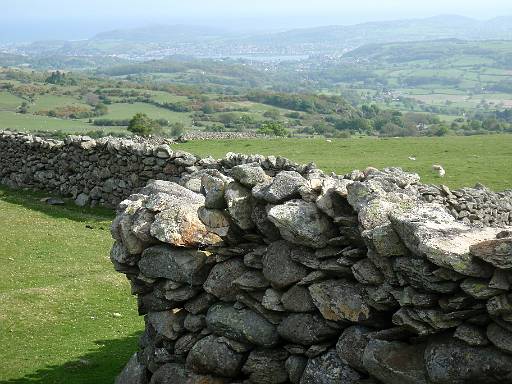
[72, 19]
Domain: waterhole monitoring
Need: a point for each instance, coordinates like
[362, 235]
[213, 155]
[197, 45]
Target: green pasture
[49, 102]
[28, 122]
[126, 111]
[67, 316]
[467, 160]
[9, 102]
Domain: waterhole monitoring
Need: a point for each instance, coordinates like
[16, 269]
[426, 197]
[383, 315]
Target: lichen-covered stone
[429, 231]
[450, 361]
[497, 252]
[240, 203]
[285, 185]
[341, 300]
[302, 223]
[327, 369]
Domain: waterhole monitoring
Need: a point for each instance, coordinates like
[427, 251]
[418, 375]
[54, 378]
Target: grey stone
[241, 325]
[500, 305]
[177, 221]
[194, 323]
[121, 230]
[133, 373]
[497, 252]
[254, 259]
[200, 304]
[184, 344]
[279, 268]
[121, 255]
[351, 346]
[302, 223]
[409, 296]
[252, 281]
[429, 231]
[240, 203]
[272, 300]
[479, 288]
[295, 366]
[385, 241]
[359, 194]
[266, 366]
[395, 362]
[430, 321]
[182, 293]
[306, 329]
[220, 281]
[501, 280]
[471, 335]
[213, 189]
[177, 374]
[332, 200]
[341, 300]
[180, 265]
[174, 192]
[259, 216]
[210, 356]
[297, 299]
[367, 273]
[450, 361]
[82, 199]
[500, 337]
[420, 274]
[249, 174]
[285, 185]
[141, 225]
[167, 323]
[215, 220]
[328, 369]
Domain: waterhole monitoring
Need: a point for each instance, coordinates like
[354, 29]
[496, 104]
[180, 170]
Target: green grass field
[60, 295]
[27, 123]
[9, 102]
[49, 102]
[467, 160]
[126, 111]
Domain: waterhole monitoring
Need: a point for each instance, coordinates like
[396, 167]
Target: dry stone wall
[253, 269]
[108, 170]
[252, 274]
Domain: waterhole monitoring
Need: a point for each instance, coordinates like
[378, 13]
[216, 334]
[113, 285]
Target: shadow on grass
[32, 200]
[99, 367]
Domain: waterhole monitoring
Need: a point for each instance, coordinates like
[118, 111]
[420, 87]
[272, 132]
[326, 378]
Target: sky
[28, 20]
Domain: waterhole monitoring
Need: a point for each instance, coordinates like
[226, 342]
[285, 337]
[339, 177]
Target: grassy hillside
[67, 316]
[467, 160]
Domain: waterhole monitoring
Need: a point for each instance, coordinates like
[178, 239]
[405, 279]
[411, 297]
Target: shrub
[142, 125]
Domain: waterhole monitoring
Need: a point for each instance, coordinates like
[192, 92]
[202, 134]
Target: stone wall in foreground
[251, 275]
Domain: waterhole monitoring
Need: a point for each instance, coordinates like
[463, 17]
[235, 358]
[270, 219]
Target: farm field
[28, 122]
[467, 160]
[67, 316]
[126, 111]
